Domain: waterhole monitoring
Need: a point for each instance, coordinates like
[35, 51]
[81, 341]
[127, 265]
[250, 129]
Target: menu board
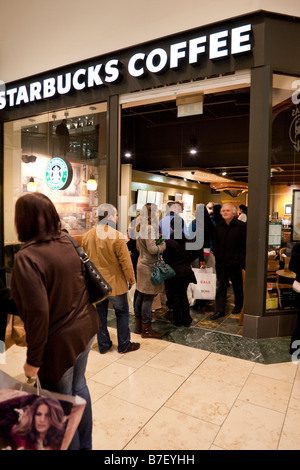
[144, 196]
[275, 230]
[296, 215]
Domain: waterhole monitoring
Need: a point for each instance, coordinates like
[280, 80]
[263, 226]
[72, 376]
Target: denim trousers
[73, 382]
[121, 307]
[143, 307]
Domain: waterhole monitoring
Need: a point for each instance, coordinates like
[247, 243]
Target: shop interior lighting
[31, 185]
[92, 183]
[193, 149]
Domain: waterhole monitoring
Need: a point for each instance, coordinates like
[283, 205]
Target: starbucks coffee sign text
[216, 46]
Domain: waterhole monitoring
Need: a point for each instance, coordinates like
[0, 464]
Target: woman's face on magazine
[42, 421]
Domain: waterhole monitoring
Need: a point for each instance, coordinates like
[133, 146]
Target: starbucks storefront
[236, 84]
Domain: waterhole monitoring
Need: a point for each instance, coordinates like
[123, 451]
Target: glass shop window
[63, 155]
[284, 208]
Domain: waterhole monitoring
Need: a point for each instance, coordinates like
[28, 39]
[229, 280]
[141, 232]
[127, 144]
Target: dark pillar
[113, 163]
[258, 204]
[1, 194]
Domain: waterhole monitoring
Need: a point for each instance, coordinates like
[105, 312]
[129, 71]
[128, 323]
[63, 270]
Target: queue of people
[49, 293]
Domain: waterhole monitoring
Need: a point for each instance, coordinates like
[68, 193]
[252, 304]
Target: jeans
[143, 307]
[120, 304]
[73, 383]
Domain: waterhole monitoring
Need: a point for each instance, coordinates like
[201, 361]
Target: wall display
[188, 200]
[141, 199]
[154, 197]
[287, 208]
[296, 215]
[275, 231]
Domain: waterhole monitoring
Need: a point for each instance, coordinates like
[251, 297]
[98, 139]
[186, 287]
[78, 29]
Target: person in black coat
[230, 254]
[179, 259]
[294, 265]
[6, 306]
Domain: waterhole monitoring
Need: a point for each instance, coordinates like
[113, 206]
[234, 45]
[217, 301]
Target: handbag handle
[78, 248]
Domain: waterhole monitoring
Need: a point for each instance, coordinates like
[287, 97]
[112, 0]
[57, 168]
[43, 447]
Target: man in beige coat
[107, 248]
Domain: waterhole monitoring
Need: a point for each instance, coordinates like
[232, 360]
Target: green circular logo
[59, 173]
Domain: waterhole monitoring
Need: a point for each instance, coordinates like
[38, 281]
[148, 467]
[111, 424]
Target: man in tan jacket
[107, 249]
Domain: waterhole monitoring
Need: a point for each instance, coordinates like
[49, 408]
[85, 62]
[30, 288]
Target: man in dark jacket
[230, 253]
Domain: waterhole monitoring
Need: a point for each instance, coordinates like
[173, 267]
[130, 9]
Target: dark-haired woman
[49, 290]
[242, 211]
[40, 426]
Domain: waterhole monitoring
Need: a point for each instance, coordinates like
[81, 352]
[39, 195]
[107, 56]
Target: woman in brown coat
[147, 238]
[49, 290]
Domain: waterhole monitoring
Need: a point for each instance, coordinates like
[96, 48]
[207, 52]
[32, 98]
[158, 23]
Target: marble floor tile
[290, 436]
[136, 360]
[285, 372]
[113, 374]
[97, 362]
[226, 369]
[250, 427]
[295, 395]
[116, 422]
[148, 387]
[97, 390]
[171, 430]
[267, 392]
[178, 359]
[205, 398]
[14, 360]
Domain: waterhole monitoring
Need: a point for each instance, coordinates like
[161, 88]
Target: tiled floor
[194, 389]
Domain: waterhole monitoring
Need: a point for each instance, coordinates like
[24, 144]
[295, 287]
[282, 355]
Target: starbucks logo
[59, 174]
[294, 131]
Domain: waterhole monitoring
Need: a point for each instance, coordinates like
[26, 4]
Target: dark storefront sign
[193, 55]
[215, 46]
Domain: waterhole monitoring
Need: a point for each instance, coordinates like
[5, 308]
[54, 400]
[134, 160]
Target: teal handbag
[161, 271]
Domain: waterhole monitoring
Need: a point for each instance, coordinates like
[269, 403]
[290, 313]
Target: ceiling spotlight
[224, 173]
[193, 149]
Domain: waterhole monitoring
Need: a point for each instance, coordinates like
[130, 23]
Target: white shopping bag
[205, 289]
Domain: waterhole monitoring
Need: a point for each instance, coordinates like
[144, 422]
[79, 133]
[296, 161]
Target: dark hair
[36, 218]
[243, 208]
[26, 426]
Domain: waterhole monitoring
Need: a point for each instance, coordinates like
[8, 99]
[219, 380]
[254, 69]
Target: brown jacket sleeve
[30, 296]
[122, 253]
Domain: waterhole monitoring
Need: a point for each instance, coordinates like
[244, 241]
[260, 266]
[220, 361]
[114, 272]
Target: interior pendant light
[31, 185]
[91, 183]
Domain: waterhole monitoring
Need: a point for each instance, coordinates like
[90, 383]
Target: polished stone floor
[199, 388]
[169, 396]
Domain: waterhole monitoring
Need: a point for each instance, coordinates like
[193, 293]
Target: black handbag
[97, 286]
[161, 271]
